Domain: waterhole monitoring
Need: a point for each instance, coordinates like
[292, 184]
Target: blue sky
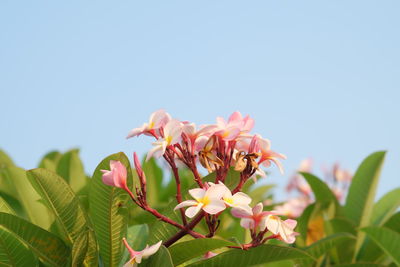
[321, 78]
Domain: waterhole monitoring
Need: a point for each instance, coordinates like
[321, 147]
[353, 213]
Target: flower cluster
[337, 178]
[219, 148]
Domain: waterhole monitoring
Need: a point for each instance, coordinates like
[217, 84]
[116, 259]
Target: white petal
[173, 128]
[197, 193]
[273, 223]
[214, 207]
[137, 131]
[157, 151]
[258, 208]
[247, 223]
[241, 198]
[189, 129]
[186, 204]
[148, 251]
[131, 263]
[241, 212]
[192, 211]
[216, 191]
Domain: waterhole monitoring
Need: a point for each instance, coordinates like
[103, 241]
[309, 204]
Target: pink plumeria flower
[157, 120]
[294, 207]
[282, 228]
[238, 200]
[252, 218]
[137, 256]
[116, 176]
[263, 146]
[209, 200]
[245, 124]
[231, 129]
[172, 135]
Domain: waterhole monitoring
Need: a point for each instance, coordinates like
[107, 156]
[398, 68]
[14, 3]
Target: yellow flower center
[205, 201]
[168, 139]
[229, 200]
[151, 125]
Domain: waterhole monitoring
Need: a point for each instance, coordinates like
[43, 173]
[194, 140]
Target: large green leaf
[388, 240]
[385, 207]
[44, 244]
[258, 255]
[360, 199]
[61, 200]
[161, 259]
[19, 187]
[321, 247]
[107, 208]
[362, 264]
[67, 209]
[184, 251]
[70, 167]
[322, 192]
[136, 237]
[13, 252]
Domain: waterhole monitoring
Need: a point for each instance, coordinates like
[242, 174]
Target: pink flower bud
[116, 176]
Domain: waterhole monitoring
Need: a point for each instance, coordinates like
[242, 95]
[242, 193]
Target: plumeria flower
[116, 176]
[245, 124]
[198, 138]
[238, 200]
[172, 135]
[282, 228]
[252, 218]
[209, 200]
[157, 120]
[263, 146]
[137, 256]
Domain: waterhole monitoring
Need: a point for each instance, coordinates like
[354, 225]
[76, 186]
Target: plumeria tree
[211, 211]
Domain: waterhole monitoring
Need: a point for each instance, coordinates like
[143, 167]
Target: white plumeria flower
[157, 120]
[282, 228]
[238, 200]
[172, 135]
[208, 200]
[252, 218]
[137, 256]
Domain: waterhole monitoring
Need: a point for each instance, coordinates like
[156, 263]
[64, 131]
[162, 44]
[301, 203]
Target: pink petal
[258, 208]
[247, 223]
[241, 212]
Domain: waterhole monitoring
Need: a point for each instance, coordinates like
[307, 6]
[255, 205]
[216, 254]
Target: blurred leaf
[22, 190]
[70, 167]
[184, 251]
[259, 193]
[50, 161]
[302, 224]
[5, 160]
[322, 192]
[154, 179]
[43, 243]
[257, 255]
[366, 264]
[394, 222]
[344, 225]
[4, 207]
[13, 252]
[388, 240]
[107, 206]
[385, 207]
[360, 199]
[161, 259]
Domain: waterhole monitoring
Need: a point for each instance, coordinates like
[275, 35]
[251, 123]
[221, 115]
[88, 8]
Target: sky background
[321, 78]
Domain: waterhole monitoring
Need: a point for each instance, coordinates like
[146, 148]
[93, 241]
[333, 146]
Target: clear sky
[321, 78]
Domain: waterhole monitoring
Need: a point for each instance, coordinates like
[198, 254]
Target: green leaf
[322, 192]
[61, 200]
[385, 207]
[107, 208]
[50, 161]
[322, 246]
[154, 179]
[161, 259]
[362, 264]
[388, 240]
[394, 222]
[5, 160]
[258, 255]
[360, 199]
[70, 167]
[184, 251]
[4, 207]
[79, 249]
[44, 244]
[19, 187]
[13, 252]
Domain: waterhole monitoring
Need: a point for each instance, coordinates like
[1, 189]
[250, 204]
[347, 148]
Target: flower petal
[192, 211]
[216, 191]
[148, 251]
[197, 193]
[241, 212]
[241, 198]
[214, 207]
[258, 208]
[247, 223]
[186, 204]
